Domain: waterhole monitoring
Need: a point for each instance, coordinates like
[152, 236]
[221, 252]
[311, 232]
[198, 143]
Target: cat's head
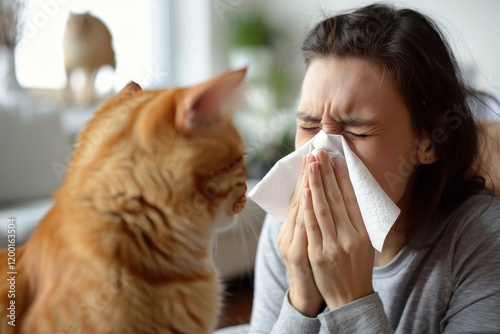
[175, 149]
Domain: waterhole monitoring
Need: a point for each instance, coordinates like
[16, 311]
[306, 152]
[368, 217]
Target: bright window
[39, 54]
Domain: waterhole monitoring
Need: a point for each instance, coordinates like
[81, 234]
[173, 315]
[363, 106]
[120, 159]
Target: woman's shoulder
[481, 209]
[476, 223]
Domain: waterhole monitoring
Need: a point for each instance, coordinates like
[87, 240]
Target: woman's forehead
[346, 84]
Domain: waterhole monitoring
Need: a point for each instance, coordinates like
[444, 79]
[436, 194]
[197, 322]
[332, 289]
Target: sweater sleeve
[271, 312]
[292, 321]
[364, 315]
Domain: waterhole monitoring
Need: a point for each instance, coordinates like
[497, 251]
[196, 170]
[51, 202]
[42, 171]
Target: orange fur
[126, 246]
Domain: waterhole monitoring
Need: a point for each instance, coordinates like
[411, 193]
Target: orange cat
[126, 247]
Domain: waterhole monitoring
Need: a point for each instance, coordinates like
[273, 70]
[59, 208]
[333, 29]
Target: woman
[386, 80]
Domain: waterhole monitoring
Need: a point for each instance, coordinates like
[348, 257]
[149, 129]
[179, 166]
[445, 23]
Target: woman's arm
[271, 312]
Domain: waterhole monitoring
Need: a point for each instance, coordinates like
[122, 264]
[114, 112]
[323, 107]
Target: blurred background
[60, 58]
[56, 67]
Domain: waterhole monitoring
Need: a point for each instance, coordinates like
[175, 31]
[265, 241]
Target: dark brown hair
[409, 47]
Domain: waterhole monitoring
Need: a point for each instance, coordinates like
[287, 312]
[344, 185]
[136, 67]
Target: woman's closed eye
[310, 128]
[354, 135]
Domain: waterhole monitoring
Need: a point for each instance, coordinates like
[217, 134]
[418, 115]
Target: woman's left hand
[339, 249]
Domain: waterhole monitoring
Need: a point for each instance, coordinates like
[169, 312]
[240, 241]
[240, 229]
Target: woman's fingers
[323, 224]
[293, 243]
[334, 192]
[349, 197]
[340, 253]
[314, 236]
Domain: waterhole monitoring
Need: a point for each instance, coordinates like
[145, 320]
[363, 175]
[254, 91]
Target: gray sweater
[452, 286]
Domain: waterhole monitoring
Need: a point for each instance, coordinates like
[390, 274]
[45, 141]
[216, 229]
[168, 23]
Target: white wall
[190, 37]
[472, 27]
[198, 39]
[40, 56]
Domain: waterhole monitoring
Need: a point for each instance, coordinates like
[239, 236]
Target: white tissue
[275, 191]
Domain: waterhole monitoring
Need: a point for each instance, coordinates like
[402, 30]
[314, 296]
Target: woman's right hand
[292, 241]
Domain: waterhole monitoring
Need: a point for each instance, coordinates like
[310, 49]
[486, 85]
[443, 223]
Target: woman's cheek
[392, 176]
[383, 165]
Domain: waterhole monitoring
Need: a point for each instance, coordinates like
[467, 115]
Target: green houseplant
[252, 30]
[253, 42]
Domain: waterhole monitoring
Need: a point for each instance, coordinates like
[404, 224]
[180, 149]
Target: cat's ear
[203, 105]
[130, 87]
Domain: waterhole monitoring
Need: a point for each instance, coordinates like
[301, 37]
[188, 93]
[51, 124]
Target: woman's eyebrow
[307, 117]
[350, 121]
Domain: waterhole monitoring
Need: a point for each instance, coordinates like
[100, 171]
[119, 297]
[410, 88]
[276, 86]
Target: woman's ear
[426, 150]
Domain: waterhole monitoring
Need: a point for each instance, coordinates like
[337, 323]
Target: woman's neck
[393, 244]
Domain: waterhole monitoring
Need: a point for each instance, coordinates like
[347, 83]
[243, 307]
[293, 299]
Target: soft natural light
[39, 54]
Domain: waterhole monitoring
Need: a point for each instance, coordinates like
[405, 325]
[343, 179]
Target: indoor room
[249, 166]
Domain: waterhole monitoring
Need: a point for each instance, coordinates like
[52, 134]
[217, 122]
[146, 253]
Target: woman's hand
[340, 251]
[292, 241]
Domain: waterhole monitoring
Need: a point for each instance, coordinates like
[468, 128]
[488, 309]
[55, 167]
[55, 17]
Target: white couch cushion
[31, 144]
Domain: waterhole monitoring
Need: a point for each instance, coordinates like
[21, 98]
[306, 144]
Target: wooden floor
[238, 302]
